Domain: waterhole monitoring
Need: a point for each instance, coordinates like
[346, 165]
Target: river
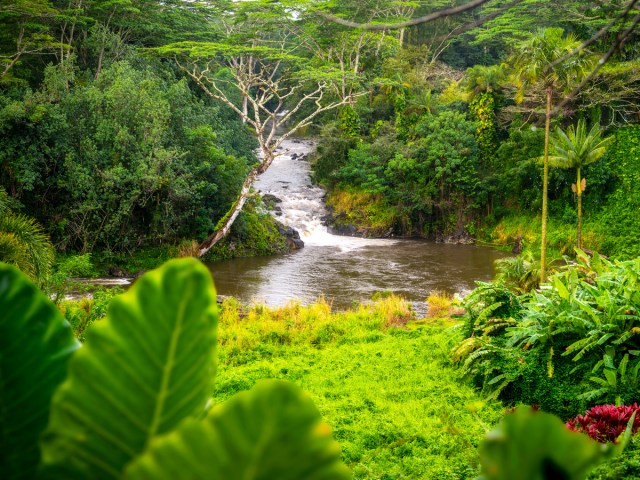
[342, 269]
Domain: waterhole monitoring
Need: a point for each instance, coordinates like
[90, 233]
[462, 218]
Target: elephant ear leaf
[271, 431]
[139, 374]
[530, 445]
[35, 346]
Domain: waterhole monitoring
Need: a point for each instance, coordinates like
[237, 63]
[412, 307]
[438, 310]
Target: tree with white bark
[267, 80]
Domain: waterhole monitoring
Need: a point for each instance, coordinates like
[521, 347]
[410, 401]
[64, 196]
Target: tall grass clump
[247, 328]
[561, 238]
[439, 304]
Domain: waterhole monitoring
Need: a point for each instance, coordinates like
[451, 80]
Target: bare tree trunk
[545, 189]
[100, 56]
[579, 193]
[245, 108]
[224, 225]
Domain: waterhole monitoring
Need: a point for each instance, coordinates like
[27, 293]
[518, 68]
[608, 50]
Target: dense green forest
[129, 124]
[132, 132]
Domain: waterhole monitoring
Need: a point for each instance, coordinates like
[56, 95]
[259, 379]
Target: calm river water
[343, 269]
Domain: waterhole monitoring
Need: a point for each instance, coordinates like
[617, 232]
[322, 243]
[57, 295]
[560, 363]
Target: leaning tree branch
[481, 21]
[604, 59]
[409, 23]
[596, 36]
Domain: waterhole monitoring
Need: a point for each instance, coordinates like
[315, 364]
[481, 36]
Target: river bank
[341, 269]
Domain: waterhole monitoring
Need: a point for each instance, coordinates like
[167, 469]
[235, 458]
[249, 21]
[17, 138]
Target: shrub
[626, 465]
[605, 423]
[520, 273]
[560, 347]
[620, 217]
[532, 445]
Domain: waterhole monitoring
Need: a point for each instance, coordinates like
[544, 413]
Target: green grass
[561, 236]
[363, 210]
[388, 390]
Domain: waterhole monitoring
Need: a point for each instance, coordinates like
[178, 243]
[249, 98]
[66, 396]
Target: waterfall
[301, 203]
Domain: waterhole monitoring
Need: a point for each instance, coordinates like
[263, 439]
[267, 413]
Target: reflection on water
[411, 268]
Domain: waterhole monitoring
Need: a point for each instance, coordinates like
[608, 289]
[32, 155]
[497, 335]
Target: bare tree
[276, 93]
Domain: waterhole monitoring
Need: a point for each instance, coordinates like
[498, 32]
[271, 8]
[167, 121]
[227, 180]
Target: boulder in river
[295, 243]
[293, 237]
[270, 201]
[116, 272]
[459, 238]
[343, 229]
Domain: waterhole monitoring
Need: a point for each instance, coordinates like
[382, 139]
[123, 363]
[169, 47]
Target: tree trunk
[545, 188]
[245, 109]
[224, 225]
[99, 68]
[579, 193]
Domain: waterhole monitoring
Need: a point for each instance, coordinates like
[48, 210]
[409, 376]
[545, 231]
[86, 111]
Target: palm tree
[577, 148]
[23, 243]
[545, 60]
[480, 79]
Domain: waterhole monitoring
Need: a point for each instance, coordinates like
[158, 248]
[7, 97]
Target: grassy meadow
[382, 380]
[380, 377]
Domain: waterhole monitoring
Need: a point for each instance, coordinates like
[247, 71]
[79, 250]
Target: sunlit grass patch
[386, 388]
[561, 236]
[439, 304]
[363, 209]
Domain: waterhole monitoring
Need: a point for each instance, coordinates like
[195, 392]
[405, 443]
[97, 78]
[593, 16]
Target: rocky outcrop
[302, 157]
[270, 200]
[116, 272]
[293, 237]
[459, 238]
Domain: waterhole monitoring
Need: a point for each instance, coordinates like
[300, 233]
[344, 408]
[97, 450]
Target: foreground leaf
[530, 445]
[143, 370]
[271, 432]
[35, 345]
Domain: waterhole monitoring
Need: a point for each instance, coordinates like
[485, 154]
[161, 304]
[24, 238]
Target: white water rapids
[288, 179]
[341, 269]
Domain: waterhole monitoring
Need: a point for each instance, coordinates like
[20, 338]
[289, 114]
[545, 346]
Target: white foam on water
[289, 179]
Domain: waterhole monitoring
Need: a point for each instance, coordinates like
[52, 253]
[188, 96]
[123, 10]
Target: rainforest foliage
[125, 124]
[130, 127]
[383, 380]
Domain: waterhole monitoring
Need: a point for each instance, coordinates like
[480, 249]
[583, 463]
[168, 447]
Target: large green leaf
[142, 371]
[35, 345]
[271, 432]
[531, 445]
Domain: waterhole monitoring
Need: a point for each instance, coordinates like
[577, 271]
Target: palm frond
[36, 253]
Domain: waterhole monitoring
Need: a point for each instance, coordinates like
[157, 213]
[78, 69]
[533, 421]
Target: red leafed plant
[605, 423]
